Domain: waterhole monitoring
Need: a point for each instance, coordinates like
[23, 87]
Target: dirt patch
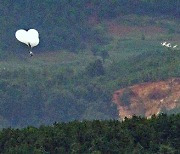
[148, 98]
[125, 30]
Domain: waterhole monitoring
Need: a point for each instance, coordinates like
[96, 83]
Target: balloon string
[30, 50]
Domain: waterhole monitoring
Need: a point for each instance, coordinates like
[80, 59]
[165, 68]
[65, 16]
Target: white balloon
[30, 37]
[22, 36]
[33, 32]
[33, 42]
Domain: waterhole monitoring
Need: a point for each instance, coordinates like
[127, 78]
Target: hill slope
[147, 99]
[113, 47]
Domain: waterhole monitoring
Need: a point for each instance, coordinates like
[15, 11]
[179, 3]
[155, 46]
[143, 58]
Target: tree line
[160, 134]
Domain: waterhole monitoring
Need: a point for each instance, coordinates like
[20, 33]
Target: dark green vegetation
[44, 95]
[137, 135]
[57, 85]
[65, 24]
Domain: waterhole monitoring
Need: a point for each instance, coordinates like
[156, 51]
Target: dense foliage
[137, 135]
[33, 97]
[44, 95]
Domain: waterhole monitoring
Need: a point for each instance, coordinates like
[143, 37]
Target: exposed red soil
[124, 30]
[148, 98]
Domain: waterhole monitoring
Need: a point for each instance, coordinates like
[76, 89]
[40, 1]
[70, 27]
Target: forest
[160, 134]
[79, 64]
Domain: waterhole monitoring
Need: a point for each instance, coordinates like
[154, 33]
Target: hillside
[87, 51]
[147, 99]
[68, 26]
[53, 86]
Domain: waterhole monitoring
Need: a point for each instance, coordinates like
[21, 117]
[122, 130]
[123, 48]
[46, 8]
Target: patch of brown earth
[147, 99]
[124, 30]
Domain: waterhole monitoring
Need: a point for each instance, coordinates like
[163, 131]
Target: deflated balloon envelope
[28, 37]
